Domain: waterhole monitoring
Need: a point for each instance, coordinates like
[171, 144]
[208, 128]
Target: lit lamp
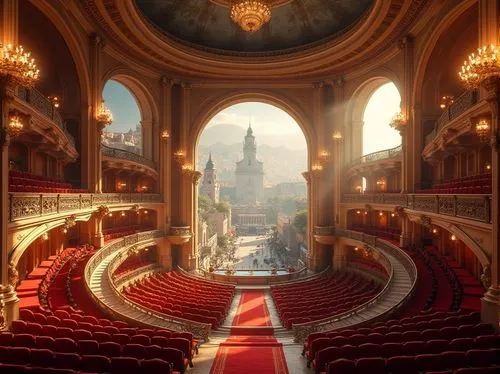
[324, 156]
[446, 101]
[55, 101]
[187, 169]
[316, 168]
[104, 117]
[481, 67]
[165, 135]
[453, 237]
[250, 15]
[381, 214]
[15, 126]
[487, 166]
[179, 156]
[398, 122]
[337, 136]
[45, 236]
[16, 66]
[483, 130]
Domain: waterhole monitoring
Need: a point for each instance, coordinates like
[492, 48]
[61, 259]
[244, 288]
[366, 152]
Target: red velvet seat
[110, 349]
[176, 358]
[17, 355]
[140, 339]
[372, 365]
[155, 366]
[42, 357]
[134, 350]
[402, 365]
[67, 360]
[5, 339]
[23, 340]
[120, 365]
[95, 364]
[453, 359]
[480, 357]
[45, 342]
[64, 345]
[342, 366]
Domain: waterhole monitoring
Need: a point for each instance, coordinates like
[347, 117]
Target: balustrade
[126, 155]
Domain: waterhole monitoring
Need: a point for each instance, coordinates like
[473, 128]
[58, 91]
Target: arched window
[125, 132]
[384, 103]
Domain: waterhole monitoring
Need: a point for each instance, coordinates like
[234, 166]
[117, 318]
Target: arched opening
[383, 104]
[252, 204]
[126, 131]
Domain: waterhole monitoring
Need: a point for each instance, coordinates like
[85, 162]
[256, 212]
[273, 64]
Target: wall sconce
[446, 101]
[337, 136]
[145, 212]
[65, 230]
[179, 156]
[144, 188]
[356, 249]
[316, 167]
[55, 101]
[434, 230]
[324, 156]
[381, 214]
[358, 212]
[393, 215]
[123, 214]
[453, 237]
[164, 135]
[365, 213]
[45, 236]
[380, 182]
[487, 166]
[110, 214]
[15, 126]
[483, 130]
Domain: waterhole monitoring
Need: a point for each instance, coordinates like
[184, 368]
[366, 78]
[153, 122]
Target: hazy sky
[383, 105]
[119, 100]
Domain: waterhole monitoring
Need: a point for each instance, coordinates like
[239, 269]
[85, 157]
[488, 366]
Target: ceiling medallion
[251, 15]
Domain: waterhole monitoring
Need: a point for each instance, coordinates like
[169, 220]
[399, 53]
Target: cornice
[122, 25]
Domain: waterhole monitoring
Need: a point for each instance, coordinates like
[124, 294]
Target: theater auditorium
[100, 265]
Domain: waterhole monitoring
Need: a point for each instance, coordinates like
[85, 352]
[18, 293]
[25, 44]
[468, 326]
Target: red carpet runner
[251, 347]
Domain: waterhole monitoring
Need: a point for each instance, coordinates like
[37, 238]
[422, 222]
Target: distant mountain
[231, 134]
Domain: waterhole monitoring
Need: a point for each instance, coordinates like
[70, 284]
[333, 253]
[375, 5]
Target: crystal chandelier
[104, 116]
[480, 67]
[16, 66]
[15, 127]
[483, 130]
[251, 15]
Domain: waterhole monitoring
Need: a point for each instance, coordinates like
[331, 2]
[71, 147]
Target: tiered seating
[179, 295]
[73, 337]
[322, 297]
[477, 184]
[392, 233]
[118, 232]
[369, 265]
[20, 181]
[425, 342]
[132, 263]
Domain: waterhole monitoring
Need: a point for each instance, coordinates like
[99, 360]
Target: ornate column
[147, 139]
[92, 158]
[491, 276]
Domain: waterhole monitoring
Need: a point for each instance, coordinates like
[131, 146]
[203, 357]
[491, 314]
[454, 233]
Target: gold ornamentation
[483, 130]
[179, 156]
[16, 66]
[399, 121]
[251, 15]
[337, 136]
[165, 135]
[15, 126]
[104, 117]
[480, 67]
[13, 275]
[426, 221]
[324, 156]
[69, 222]
[102, 211]
[486, 276]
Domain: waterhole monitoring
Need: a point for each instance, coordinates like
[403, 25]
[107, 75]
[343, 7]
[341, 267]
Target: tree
[300, 222]
[223, 207]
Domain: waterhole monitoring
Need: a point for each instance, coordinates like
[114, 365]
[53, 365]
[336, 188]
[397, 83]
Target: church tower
[210, 185]
[249, 172]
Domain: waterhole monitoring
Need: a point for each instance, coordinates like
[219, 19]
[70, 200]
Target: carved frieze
[49, 205]
[25, 206]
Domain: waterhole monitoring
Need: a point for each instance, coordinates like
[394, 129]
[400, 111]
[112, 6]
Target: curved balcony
[385, 159]
[46, 121]
[454, 122]
[31, 205]
[471, 207]
[122, 159]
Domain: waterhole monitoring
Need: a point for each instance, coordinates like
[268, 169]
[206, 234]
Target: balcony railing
[41, 103]
[464, 102]
[475, 207]
[379, 155]
[28, 205]
[126, 155]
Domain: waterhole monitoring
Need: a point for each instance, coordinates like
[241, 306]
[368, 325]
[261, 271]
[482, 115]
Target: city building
[210, 186]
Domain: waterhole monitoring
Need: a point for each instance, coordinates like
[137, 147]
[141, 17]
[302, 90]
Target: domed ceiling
[206, 24]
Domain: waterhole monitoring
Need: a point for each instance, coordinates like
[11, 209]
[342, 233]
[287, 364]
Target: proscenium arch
[356, 108]
[212, 107]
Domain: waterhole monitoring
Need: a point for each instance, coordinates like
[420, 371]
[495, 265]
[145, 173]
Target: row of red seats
[27, 182]
[179, 295]
[110, 349]
[382, 231]
[26, 360]
[118, 232]
[477, 184]
[133, 263]
[368, 264]
[450, 362]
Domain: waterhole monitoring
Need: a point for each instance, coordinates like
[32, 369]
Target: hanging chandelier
[16, 66]
[483, 130]
[251, 15]
[15, 126]
[480, 67]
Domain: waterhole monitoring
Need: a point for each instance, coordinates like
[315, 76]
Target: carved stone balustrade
[30, 205]
[121, 154]
[179, 235]
[324, 234]
[474, 206]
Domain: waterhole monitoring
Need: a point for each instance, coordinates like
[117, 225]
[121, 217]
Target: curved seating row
[323, 297]
[20, 181]
[176, 294]
[476, 184]
[369, 265]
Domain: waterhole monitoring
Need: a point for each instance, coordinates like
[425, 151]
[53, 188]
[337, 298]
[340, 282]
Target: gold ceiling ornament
[17, 68]
[104, 116]
[480, 67]
[15, 126]
[251, 15]
[483, 130]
